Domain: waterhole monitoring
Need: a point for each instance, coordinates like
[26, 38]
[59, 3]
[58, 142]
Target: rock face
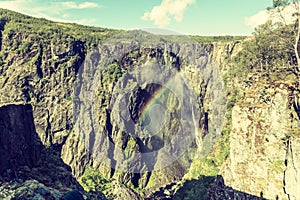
[30, 189]
[18, 138]
[38, 69]
[291, 173]
[264, 143]
[33, 189]
[220, 191]
[53, 69]
[190, 90]
[105, 103]
[28, 171]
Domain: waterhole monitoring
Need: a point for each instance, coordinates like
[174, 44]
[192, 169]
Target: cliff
[18, 140]
[264, 140]
[28, 170]
[142, 116]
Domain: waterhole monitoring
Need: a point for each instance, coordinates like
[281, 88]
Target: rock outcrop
[264, 141]
[28, 170]
[18, 139]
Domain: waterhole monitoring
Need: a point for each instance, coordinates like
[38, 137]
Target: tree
[270, 50]
[279, 10]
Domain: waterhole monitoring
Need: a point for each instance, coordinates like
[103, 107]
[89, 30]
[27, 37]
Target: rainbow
[152, 101]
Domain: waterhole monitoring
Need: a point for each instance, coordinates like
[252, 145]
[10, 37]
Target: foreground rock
[28, 169]
[18, 139]
[264, 141]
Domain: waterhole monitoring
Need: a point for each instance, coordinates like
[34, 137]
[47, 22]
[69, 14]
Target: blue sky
[196, 17]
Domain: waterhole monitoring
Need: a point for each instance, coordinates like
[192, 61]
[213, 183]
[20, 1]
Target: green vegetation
[265, 52]
[109, 76]
[211, 39]
[92, 180]
[293, 129]
[194, 189]
[203, 170]
[58, 184]
[45, 29]
[263, 56]
[278, 165]
[278, 11]
[275, 45]
[129, 150]
[112, 72]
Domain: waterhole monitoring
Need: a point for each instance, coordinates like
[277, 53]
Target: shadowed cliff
[28, 169]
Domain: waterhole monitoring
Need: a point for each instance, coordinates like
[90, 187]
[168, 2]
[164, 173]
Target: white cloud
[73, 5]
[161, 15]
[257, 19]
[12, 5]
[52, 10]
[88, 5]
[263, 16]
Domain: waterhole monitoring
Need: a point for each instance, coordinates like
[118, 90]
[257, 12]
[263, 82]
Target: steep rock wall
[41, 72]
[264, 142]
[41, 69]
[18, 138]
[194, 62]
